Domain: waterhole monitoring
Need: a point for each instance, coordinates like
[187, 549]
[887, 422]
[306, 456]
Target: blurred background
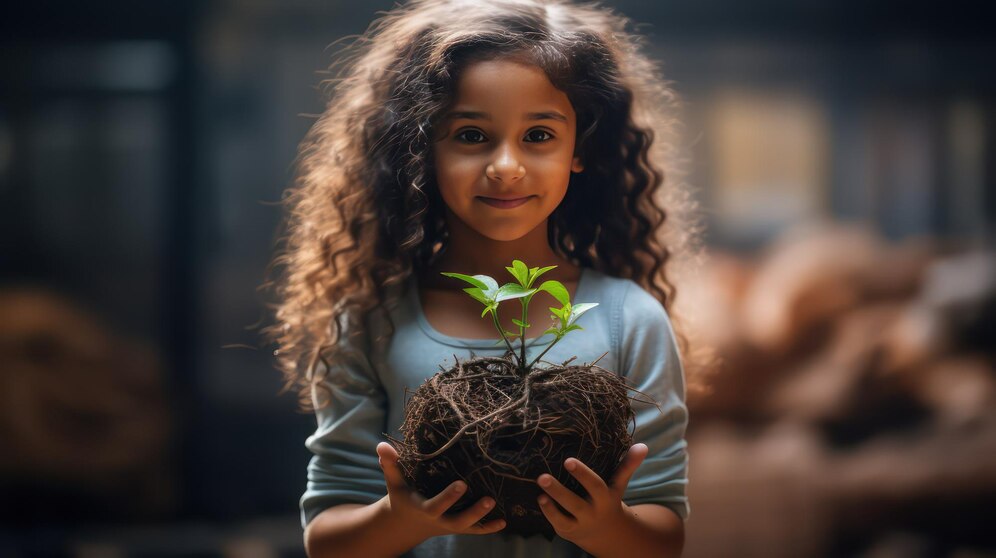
[844, 163]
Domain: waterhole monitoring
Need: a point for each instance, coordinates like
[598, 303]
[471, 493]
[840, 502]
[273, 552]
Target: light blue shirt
[368, 393]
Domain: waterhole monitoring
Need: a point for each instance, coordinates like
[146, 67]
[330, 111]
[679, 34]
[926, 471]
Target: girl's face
[508, 136]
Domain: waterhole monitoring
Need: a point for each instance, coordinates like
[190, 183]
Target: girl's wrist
[407, 533]
[608, 529]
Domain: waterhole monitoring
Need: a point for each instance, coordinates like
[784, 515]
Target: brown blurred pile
[84, 420]
[854, 412]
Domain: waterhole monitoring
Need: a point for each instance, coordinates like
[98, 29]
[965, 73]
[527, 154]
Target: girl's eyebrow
[476, 115]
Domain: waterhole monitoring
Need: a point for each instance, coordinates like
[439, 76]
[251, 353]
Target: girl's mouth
[504, 204]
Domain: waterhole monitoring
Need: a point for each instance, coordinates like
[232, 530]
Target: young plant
[485, 290]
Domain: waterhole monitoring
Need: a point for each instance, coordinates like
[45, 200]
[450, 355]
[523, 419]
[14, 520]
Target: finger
[564, 496]
[474, 514]
[388, 458]
[438, 504]
[492, 526]
[589, 479]
[561, 522]
[634, 458]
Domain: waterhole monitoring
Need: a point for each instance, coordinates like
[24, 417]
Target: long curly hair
[365, 212]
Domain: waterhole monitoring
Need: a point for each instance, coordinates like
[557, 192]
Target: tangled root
[485, 423]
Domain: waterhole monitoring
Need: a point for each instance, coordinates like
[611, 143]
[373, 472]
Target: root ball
[484, 422]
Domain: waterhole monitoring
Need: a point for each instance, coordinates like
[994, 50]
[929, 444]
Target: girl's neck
[471, 253]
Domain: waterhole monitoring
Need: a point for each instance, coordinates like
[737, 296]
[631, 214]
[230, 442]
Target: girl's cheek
[460, 168]
[548, 165]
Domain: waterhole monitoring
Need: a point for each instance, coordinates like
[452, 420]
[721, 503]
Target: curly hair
[365, 212]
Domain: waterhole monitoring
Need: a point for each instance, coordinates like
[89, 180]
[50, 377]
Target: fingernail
[488, 504]
[545, 480]
[570, 464]
[501, 524]
[543, 500]
[459, 488]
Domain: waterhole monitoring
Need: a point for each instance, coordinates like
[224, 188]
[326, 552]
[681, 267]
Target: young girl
[462, 135]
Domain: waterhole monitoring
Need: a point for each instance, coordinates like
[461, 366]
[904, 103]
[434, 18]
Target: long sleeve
[652, 365]
[344, 466]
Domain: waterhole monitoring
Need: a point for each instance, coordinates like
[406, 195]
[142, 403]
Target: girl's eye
[470, 136]
[534, 137]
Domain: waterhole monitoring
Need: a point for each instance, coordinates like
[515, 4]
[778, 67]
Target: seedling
[485, 290]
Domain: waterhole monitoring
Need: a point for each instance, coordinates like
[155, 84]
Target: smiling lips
[504, 204]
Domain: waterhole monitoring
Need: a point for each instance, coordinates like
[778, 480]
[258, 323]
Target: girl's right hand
[411, 508]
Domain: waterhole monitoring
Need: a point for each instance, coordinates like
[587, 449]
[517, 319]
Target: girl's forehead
[508, 88]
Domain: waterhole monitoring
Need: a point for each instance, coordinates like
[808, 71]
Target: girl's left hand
[602, 512]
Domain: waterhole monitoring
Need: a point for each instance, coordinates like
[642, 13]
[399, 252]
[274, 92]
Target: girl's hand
[427, 515]
[602, 512]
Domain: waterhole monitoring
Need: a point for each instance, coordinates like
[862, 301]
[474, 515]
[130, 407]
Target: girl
[462, 135]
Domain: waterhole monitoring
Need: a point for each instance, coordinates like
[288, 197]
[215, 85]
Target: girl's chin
[507, 233]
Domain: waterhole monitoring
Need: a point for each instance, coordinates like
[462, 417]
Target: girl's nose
[505, 167]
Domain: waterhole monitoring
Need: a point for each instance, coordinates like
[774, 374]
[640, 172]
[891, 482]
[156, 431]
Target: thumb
[388, 458]
[634, 457]
[386, 450]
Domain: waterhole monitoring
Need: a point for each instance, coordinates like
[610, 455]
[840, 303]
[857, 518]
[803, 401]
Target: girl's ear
[576, 165]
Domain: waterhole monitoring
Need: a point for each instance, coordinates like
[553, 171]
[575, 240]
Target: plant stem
[494, 316]
[550, 346]
[522, 335]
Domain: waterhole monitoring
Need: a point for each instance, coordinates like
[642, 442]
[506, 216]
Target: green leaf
[512, 271]
[536, 272]
[572, 328]
[560, 314]
[492, 285]
[489, 308]
[483, 282]
[509, 291]
[579, 309]
[521, 272]
[519, 323]
[557, 289]
[477, 294]
[551, 330]
[475, 280]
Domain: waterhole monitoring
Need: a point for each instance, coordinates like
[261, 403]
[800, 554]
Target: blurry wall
[144, 148]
